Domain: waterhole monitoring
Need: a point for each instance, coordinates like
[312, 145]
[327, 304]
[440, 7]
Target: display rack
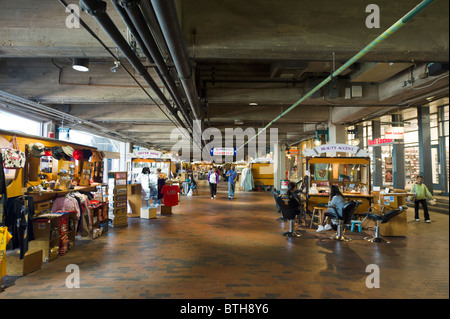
[117, 198]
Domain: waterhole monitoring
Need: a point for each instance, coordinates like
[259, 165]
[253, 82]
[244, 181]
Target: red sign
[380, 141]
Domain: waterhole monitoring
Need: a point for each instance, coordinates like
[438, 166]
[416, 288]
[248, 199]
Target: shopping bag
[13, 157]
[189, 193]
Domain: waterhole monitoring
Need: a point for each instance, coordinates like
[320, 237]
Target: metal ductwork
[168, 20]
[97, 9]
[135, 21]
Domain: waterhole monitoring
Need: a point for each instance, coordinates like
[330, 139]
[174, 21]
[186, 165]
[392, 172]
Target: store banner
[380, 142]
[395, 132]
[333, 148]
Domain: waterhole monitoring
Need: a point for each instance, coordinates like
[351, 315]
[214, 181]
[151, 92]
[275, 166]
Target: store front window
[411, 142]
[15, 123]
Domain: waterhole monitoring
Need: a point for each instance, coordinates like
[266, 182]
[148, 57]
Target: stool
[319, 210]
[358, 223]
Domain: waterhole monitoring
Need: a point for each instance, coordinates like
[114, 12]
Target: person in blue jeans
[232, 177]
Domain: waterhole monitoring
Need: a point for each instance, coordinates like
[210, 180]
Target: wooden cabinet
[54, 233]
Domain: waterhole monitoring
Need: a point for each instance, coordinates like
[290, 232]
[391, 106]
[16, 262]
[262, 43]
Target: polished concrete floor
[235, 249]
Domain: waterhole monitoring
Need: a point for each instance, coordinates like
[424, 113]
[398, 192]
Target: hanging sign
[380, 141]
[395, 132]
[148, 154]
[333, 148]
[223, 151]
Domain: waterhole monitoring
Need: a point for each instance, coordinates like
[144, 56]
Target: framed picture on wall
[321, 172]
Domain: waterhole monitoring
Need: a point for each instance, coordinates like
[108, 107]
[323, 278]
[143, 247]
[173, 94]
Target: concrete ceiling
[264, 52]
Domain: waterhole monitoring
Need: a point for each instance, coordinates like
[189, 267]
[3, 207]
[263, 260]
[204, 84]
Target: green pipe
[397, 25]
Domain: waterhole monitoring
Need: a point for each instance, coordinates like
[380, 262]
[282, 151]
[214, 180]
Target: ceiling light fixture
[253, 104]
[81, 64]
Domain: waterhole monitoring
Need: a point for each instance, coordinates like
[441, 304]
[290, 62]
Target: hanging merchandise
[14, 158]
[170, 195]
[3, 195]
[247, 182]
[5, 237]
[19, 220]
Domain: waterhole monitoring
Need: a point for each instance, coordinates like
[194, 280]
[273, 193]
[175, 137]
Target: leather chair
[382, 219]
[347, 213]
[289, 209]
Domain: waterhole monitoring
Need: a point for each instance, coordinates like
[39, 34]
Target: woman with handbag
[421, 193]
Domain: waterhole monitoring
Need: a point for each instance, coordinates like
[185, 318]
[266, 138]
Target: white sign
[223, 151]
[395, 132]
[333, 148]
[148, 154]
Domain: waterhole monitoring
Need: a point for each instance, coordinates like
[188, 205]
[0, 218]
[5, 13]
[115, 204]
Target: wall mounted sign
[333, 148]
[380, 142]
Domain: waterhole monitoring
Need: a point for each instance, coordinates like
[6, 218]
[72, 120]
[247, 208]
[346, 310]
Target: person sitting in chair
[335, 204]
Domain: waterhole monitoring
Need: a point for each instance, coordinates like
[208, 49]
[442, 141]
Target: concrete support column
[279, 164]
[124, 148]
[423, 121]
[377, 175]
[336, 135]
[398, 158]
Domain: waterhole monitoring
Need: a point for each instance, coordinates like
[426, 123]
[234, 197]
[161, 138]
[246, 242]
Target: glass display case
[136, 166]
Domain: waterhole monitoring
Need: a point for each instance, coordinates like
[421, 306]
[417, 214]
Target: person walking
[421, 193]
[232, 178]
[213, 179]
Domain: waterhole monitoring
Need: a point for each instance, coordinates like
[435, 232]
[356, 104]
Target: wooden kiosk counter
[352, 176]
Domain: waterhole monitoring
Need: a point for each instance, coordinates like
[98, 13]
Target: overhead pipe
[397, 25]
[138, 26]
[97, 9]
[168, 20]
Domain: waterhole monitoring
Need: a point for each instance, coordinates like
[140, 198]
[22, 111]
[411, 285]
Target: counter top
[344, 194]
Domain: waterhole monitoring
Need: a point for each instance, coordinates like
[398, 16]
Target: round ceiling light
[81, 64]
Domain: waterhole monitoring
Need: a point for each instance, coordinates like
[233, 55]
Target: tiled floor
[234, 249]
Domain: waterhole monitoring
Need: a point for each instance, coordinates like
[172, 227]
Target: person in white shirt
[213, 179]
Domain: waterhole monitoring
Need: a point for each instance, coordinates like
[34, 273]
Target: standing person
[421, 193]
[336, 204]
[232, 178]
[213, 179]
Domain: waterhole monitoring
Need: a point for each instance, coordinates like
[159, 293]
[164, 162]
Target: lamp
[81, 64]
[356, 140]
[317, 140]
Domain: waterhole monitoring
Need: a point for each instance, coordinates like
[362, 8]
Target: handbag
[412, 198]
[13, 157]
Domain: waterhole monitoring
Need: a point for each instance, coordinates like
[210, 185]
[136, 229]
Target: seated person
[335, 204]
[293, 206]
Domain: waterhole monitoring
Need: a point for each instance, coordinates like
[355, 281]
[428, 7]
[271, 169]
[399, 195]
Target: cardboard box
[148, 212]
[166, 210]
[15, 266]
